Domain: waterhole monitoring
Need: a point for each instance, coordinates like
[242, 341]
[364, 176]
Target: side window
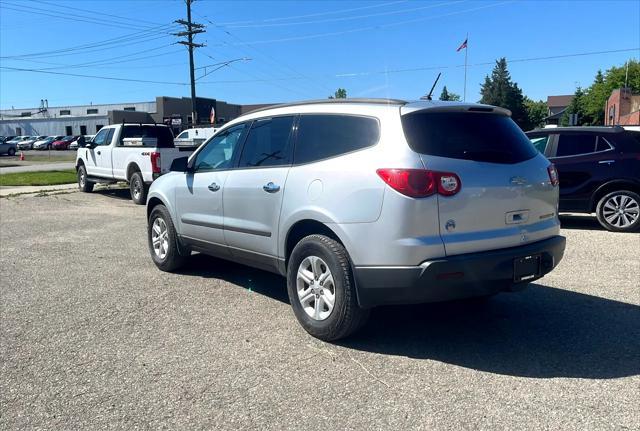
[323, 136]
[540, 143]
[603, 144]
[268, 143]
[101, 137]
[218, 152]
[571, 145]
[107, 140]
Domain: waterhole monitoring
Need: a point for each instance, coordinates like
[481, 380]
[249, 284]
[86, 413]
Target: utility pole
[191, 30]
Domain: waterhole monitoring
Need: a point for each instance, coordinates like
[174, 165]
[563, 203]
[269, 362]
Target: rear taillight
[420, 183]
[155, 162]
[553, 174]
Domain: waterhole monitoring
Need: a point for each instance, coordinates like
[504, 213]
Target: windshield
[480, 137]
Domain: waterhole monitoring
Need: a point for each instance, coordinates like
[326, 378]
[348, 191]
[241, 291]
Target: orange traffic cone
[21, 155]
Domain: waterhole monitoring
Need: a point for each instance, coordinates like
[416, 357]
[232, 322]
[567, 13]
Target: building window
[65, 112]
[130, 109]
[68, 130]
[98, 127]
[19, 131]
[92, 111]
[25, 114]
[83, 130]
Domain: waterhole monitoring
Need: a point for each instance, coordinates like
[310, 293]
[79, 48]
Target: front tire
[619, 211]
[322, 289]
[138, 189]
[83, 183]
[163, 241]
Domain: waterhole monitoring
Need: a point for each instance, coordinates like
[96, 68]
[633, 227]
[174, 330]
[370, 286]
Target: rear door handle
[270, 187]
[99, 152]
[607, 161]
[214, 187]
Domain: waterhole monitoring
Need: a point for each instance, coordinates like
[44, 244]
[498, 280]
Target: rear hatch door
[506, 198]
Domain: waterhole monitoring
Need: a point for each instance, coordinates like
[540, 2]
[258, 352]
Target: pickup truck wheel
[138, 189]
[619, 211]
[322, 290]
[163, 241]
[83, 183]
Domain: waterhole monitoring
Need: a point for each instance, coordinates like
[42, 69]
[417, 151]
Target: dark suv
[599, 169]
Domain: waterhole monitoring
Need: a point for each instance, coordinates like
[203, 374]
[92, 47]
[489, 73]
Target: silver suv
[362, 203]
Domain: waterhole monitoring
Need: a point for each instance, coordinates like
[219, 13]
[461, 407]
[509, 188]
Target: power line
[374, 27]
[67, 16]
[78, 75]
[136, 37]
[135, 20]
[313, 14]
[348, 18]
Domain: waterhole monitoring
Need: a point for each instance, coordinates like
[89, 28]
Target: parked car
[4, 139]
[8, 147]
[81, 139]
[194, 137]
[599, 169]
[135, 153]
[63, 142]
[365, 202]
[17, 139]
[47, 143]
[27, 144]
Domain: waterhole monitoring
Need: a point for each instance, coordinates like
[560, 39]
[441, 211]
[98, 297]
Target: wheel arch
[612, 186]
[132, 167]
[303, 228]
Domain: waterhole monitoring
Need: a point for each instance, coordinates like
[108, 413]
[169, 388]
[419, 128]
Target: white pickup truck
[135, 153]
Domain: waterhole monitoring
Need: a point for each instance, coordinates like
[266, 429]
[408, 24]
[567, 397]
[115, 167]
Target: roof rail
[333, 101]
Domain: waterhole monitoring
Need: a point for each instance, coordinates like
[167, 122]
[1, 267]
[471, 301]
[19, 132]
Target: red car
[63, 144]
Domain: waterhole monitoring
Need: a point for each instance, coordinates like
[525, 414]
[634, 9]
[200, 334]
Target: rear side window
[540, 142]
[489, 138]
[572, 145]
[324, 136]
[161, 133]
[268, 143]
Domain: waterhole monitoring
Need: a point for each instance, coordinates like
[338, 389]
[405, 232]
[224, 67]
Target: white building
[64, 120]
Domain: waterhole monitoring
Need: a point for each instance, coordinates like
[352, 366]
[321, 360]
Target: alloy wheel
[621, 211]
[160, 238]
[315, 287]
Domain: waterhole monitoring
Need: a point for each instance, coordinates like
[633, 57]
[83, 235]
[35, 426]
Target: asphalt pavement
[93, 336]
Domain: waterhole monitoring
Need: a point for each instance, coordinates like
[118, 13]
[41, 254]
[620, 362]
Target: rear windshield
[489, 138]
[162, 133]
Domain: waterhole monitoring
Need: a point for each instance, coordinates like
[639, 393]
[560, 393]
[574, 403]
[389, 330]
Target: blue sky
[304, 49]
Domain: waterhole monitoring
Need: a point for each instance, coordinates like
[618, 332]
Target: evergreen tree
[445, 95]
[499, 90]
[340, 93]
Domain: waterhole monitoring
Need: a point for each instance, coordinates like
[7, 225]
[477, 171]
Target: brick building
[623, 108]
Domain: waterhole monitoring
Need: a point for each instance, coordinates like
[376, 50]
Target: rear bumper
[455, 277]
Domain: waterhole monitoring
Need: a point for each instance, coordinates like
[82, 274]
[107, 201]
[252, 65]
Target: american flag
[463, 46]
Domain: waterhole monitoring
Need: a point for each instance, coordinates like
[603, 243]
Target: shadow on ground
[541, 332]
[580, 222]
[114, 192]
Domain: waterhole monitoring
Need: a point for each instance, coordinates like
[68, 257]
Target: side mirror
[89, 145]
[180, 164]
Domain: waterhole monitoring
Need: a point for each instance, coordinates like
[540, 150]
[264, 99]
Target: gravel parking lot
[92, 335]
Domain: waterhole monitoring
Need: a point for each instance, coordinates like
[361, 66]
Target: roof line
[347, 101]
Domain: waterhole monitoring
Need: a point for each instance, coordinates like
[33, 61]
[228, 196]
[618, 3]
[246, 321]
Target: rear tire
[162, 238]
[83, 183]
[322, 290]
[138, 189]
[619, 211]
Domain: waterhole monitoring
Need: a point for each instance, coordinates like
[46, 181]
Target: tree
[340, 93]
[499, 90]
[536, 112]
[445, 95]
[596, 95]
[576, 107]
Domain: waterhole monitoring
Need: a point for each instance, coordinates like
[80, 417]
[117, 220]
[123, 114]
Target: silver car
[365, 202]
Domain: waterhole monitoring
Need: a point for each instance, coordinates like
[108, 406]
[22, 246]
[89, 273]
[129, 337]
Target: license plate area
[526, 268]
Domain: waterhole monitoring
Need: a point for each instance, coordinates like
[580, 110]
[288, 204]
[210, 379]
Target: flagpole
[466, 49]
